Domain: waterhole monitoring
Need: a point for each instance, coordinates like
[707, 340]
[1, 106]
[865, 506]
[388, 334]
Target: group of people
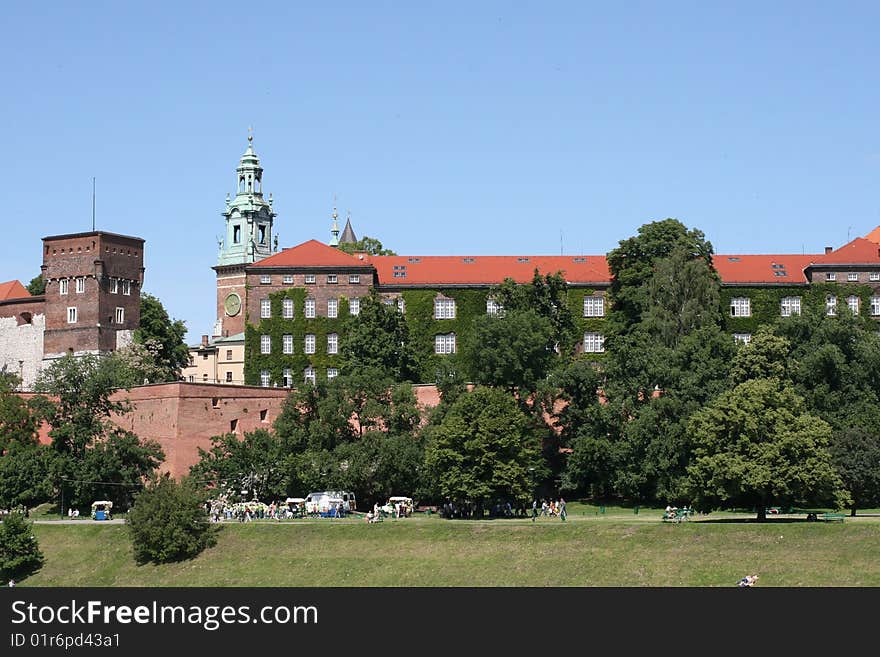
[551, 509]
[223, 511]
[673, 512]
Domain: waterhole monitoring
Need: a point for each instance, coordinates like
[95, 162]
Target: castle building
[281, 314]
[91, 303]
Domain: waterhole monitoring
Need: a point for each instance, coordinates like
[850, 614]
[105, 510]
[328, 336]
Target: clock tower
[247, 238]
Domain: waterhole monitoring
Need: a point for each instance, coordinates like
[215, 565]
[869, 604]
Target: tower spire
[334, 227]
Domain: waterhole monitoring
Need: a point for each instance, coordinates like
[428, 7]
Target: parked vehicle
[405, 504]
[101, 510]
[320, 501]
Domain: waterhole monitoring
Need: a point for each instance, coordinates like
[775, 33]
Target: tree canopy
[366, 245]
[163, 337]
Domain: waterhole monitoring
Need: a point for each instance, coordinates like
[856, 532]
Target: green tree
[483, 450]
[20, 553]
[254, 463]
[765, 356]
[377, 340]
[368, 245]
[19, 419]
[37, 286]
[632, 265]
[512, 351]
[115, 469]
[164, 336]
[756, 446]
[167, 522]
[26, 475]
[856, 455]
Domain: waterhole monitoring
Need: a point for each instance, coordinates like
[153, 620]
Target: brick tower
[93, 287]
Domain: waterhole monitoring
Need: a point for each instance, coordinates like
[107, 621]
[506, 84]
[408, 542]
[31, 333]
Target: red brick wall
[231, 279]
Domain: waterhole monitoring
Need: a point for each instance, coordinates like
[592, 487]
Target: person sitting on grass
[748, 580]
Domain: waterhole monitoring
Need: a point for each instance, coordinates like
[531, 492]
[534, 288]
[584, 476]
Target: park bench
[833, 517]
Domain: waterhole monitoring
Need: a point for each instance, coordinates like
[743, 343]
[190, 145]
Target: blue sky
[445, 127]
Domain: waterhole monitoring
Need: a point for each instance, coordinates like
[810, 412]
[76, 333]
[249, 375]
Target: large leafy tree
[632, 265]
[512, 351]
[756, 446]
[20, 553]
[377, 340]
[856, 455]
[91, 447]
[167, 522]
[19, 419]
[483, 450]
[26, 475]
[162, 336]
[254, 463]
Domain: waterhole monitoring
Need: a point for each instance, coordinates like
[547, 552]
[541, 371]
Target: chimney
[204, 340]
[828, 250]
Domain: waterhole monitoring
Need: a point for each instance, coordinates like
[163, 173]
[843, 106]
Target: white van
[319, 502]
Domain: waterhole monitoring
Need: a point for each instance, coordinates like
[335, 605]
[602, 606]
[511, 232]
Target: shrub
[168, 523]
[19, 551]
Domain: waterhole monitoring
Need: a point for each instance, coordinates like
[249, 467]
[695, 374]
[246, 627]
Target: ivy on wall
[766, 302]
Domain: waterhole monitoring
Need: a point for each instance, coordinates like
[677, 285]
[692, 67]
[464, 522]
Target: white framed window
[114, 286]
[354, 306]
[265, 279]
[265, 308]
[120, 316]
[332, 373]
[492, 307]
[71, 315]
[444, 343]
[354, 278]
[310, 343]
[875, 306]
[594, 343]
[594, 306]
[831, 305]
[288, 279]
[80, 285]
[789, 306]
[874, 276]
[331, 278]
[310, 308]
[852, 277]
[126, 287]
[287, 376]
[743, 338]
[332, 343]
[853, 302]
[287, 343]
[332, 307]
[265, 344]
[287, 308]
[309, 374]
[444, 308]
[310, 279]
[740, 307]
[830, 276]
[62, 286]
[264, 378]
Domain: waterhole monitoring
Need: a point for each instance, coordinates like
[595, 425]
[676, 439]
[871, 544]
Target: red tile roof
[486, 270]
[762, 269]
[310, 254]
[13, 290]
[858, 252]
[874, 235]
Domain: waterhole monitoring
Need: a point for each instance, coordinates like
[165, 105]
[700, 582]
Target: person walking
[534, 510]
[561, 508]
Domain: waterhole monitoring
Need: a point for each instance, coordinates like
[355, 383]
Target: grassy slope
[588, 550]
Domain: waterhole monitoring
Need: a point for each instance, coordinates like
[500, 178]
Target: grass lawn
[614, 548]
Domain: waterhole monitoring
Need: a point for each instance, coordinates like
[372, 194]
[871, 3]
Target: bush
[19, 551]
[168, 522]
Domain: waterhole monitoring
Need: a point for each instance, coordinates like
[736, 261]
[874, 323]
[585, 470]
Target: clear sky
[445, 127]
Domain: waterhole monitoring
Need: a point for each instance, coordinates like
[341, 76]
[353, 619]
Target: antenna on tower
[93, 204]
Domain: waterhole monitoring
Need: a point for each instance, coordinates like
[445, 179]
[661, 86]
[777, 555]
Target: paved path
[80, 521]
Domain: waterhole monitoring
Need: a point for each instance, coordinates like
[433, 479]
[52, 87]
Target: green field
[617, 548]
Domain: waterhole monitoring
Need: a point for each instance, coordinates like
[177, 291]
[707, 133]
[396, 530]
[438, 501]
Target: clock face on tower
[232, 304]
